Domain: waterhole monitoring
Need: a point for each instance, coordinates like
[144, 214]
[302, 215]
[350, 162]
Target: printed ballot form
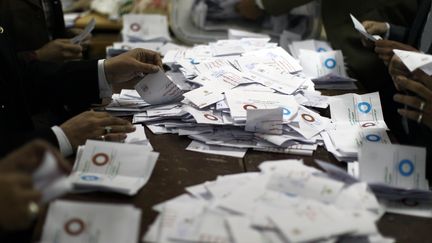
[122, 168]
[158, 88]
[145, 27]
[394, 165]
[77, 222]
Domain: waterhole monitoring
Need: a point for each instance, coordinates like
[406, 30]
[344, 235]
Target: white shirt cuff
[260, 4]
[64, 144]
[387, 34]
[105, 90]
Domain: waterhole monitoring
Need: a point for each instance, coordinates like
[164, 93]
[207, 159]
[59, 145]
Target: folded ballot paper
[76, 222]
[356, 120]
[415, 60]
[158, 88]
[285, 202]
[361, 29]
[122, 168]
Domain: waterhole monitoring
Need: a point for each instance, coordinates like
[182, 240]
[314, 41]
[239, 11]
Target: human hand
[72, 32]
[59, 50]
[17, 194]
[384, 49]
[397, 68]
[373, 28]
[132, 64]
[249, 10]
[28, 158]
[420, 103]
[95, 125]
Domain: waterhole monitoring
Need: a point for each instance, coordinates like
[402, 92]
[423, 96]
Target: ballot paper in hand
[122, 168]
[394, 165]
[76, 222]
[88, 29]
[50, 179]
[415, 60]
[361, 29]
[157, 88]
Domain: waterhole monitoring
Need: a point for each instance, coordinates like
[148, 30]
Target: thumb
[146, 67]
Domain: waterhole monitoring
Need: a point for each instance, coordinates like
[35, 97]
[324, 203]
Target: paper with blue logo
[319, 64]
[122, 168]
[395, 165]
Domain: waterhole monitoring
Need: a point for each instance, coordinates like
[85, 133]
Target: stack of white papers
[286, 202]
[162, 47]
[145, 27]
[122, 168]
[70, 222]
[357, 119]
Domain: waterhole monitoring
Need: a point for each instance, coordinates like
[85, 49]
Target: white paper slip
[76, 222]
[205, 116]
[408, 207]
[415, 60]
[360, 110]
[312, 45]
[309, 123]
[361, 29]
[50, 179]
[122, 168]
[217, 150]
[241, 231]
[394, 165]
[157, 88]
[240, 102]
[145, 27]
[319, 64]
[138, 136]
[206, 95]
[265, 121]
[87, 30]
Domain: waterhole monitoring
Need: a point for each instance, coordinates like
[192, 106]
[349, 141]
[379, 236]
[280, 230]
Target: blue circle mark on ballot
[321, 49]
[330, 63]
[89, 178]
[406, 167]
[373, 138]
[364, 107]
[286, 112]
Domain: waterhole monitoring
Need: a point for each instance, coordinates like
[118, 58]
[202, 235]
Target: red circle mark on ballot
[74, 227]
[249, 107]
[135, 27]
[369, 124]
[100, 159]
[308, 118]
[211, 117]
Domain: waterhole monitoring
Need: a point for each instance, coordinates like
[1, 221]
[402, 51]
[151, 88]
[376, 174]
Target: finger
[30, 195]
[72, 48]
[115, 137]
[72, 55]
[415, 87]
[410, 101]
[99, 114]
[147, 68]
[20, 180]
[113, 121]
[414, 115]
[123, 129]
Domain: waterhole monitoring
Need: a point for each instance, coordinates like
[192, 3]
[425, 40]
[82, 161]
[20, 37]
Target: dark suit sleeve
[72, 84]
[398, 33]
[16, 140]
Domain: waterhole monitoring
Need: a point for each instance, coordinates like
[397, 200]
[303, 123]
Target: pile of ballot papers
[68, 222]
[395, 174]
[248, 93]
[286, 202]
